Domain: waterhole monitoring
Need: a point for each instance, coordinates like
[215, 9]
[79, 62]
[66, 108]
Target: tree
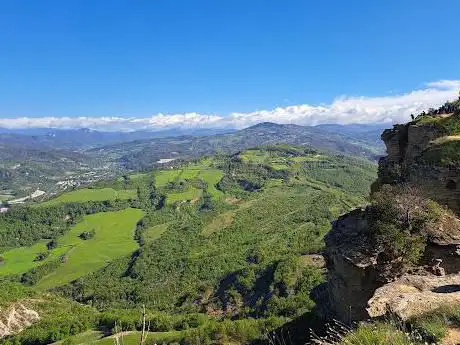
[400, 218]
[87, 235]
[125, 180]
[52, 244]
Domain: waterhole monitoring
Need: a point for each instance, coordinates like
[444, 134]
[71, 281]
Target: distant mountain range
[83, 138]
[143, 154]
[41, 158]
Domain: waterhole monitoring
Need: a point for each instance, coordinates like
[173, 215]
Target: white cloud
[343, 110]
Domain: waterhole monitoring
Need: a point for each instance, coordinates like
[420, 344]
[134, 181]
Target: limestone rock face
[411, 296]
[405, 163]
[357, 288]
[351, 278]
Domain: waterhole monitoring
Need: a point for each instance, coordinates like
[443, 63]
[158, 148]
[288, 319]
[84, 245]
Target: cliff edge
[401, 253]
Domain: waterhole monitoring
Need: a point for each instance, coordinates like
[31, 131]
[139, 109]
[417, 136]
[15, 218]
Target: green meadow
[162, 177]
[88, 194]
[212, 177]
[20, 260]
[190, 194]
[114, 238]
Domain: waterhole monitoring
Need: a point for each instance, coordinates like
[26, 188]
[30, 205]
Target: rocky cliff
[402, 252]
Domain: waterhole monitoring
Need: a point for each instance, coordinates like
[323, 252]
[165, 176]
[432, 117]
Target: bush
[400, 219]
[52, 244]
[87, 235]
[376, 334]
[41, 256]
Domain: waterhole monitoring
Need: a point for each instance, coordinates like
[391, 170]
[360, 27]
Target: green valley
[224, 243]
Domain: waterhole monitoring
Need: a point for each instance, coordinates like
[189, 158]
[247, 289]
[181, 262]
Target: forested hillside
[223, 247]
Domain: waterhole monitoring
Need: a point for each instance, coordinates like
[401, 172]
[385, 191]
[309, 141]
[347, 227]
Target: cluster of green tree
[42, 256]
[241, 176]
[348, 174]
[11, 292]
[400, 220]
[59, 319]
[186, 329]
[87, 235]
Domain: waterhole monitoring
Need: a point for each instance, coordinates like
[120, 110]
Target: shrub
[434, 325]
[41, 256]
[87, 235]
[376, 334]
[52, 244]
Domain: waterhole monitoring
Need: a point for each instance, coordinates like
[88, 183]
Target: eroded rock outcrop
[16, 317]
[364, 280]
[410, 151]
[413, 295]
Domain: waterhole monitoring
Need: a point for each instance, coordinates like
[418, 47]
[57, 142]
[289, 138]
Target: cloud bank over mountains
[343, 110]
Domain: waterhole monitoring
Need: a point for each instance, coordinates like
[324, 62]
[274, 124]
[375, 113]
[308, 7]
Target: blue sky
[136, 59]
